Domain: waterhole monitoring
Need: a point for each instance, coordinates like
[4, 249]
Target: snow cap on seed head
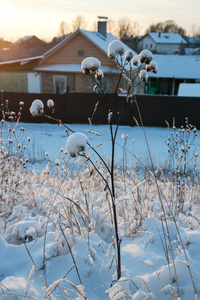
[152, 67]
[146, 56]
[143, 75]
[99, 74]
[136, 60]
[37, 108]
[76, 143]
[115, 48]
[50, 103]
[90, 65]
[129, 55]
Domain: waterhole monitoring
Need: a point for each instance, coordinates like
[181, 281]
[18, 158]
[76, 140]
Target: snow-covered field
[56, 233]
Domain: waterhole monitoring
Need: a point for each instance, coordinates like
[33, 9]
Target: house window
[59, 84]
[81, 53]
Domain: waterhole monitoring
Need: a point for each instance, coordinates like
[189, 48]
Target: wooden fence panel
[78, 107]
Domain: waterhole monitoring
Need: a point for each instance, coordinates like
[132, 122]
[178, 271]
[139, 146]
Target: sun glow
[16, 22]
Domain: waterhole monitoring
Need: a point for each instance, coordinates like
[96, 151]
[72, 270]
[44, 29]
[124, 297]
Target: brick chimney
[102, 26]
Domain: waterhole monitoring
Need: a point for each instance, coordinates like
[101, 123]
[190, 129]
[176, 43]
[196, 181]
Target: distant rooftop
[177, 66]
[167, 38]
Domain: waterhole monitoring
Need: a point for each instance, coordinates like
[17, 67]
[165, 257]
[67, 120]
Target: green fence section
[152, 86]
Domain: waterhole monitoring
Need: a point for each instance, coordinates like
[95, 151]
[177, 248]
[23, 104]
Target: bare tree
[136, 29]
[124, 28]
[64, 29]
[167, 26]
[111, 26]
[78, 23]
[195, 31]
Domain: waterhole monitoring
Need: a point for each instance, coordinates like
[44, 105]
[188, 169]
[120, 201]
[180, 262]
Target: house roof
[25, 47]
[167, 38]
[24, 39]
[101, 41]
[177, 66]
[21, 61]
[95, 37]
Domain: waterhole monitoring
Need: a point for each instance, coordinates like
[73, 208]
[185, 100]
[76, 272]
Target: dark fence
[78, 107]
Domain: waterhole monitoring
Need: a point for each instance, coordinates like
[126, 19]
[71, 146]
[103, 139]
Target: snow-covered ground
[50, 138]
[56, 234]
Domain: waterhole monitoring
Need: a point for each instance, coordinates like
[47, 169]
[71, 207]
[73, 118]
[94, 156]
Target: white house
[162, 43]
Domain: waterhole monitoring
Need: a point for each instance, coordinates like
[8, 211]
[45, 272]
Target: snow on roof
[21, 61]
[167, 38]
[101, 41]
[189, 90]
[95, 37]
[177, 66]
[25, 38]
[74, 68]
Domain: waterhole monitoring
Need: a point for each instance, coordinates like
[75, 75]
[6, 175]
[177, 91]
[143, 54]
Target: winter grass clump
[118, 214]
[136, 234]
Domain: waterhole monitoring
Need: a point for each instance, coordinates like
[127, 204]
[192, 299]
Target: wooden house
[59, 69]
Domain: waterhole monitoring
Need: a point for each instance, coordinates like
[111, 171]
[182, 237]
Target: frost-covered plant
[133, 70]
[76, 142]
[13, 157]
[183, 156]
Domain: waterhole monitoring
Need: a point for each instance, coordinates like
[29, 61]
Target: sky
[43, 17]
